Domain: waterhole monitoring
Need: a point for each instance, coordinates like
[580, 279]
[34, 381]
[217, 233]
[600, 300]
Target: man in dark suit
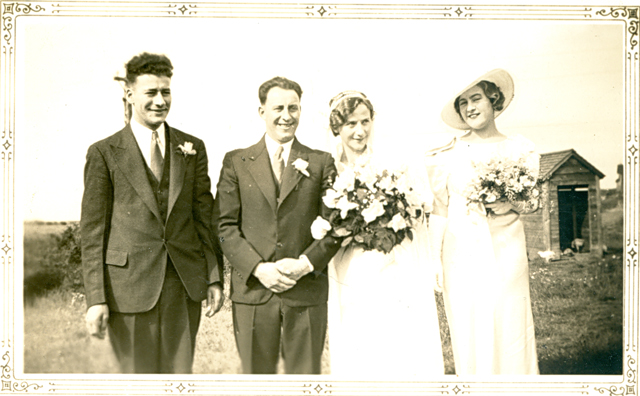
[268, 196]
[148, 252]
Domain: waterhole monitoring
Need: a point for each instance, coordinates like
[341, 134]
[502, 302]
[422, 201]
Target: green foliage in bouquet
[372, 210]
[514, 180]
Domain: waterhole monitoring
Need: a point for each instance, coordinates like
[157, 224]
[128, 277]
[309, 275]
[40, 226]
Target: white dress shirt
[272, 146]
[143, 137]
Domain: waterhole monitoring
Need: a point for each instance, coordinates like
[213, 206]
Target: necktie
[156, 156]
[278, 164]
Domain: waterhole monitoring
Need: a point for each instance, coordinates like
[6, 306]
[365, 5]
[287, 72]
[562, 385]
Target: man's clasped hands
[283, 274]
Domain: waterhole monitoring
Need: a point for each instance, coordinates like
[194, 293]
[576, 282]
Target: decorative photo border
[14, 381]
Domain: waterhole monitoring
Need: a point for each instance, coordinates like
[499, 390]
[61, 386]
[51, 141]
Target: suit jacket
[254, 225]
[125, 242]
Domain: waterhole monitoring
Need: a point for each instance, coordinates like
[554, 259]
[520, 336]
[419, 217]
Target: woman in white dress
[486, 272]
[383, 319]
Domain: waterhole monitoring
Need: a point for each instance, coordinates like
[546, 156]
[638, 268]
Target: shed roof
[550, 162]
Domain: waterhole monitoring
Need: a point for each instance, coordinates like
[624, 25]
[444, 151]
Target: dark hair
[146, 63]
[491, 91]
[345, 107]
[279, 82]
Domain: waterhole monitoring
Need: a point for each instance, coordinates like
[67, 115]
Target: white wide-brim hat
[499, 77]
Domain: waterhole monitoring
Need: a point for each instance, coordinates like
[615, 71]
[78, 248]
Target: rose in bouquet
[371, 206]
[506, 178]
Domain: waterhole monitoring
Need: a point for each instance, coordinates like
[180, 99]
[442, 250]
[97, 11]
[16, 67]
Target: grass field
[577, 308]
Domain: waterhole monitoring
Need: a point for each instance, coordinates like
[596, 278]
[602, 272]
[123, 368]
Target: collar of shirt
[143, 137]
[272, 146]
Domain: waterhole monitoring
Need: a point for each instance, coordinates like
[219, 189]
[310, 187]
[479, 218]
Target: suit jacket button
[279, 244]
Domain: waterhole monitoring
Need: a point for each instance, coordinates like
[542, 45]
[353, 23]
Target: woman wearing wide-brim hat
[482, 245]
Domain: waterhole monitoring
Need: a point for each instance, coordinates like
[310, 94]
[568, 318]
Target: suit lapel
[260, 169]
[130, 161]
[291, 176]
[176, 174]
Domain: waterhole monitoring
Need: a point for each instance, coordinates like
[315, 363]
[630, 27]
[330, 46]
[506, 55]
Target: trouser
[260, 330]
[161, 340]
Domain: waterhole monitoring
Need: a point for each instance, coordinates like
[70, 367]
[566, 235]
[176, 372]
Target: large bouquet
[506, 177]
[372, 207]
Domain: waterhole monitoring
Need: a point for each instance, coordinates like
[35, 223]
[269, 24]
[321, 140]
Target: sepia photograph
[310, 198]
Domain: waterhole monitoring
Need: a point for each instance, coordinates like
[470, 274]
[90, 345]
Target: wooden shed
[570, 206]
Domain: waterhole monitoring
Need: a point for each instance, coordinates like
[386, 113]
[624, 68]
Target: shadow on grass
[607, 362]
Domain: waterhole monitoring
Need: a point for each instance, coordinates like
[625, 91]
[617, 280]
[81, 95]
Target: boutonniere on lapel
[301, 166]
[186, 149]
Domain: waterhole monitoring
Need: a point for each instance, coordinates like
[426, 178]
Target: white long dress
[486, 271]
[383, 320]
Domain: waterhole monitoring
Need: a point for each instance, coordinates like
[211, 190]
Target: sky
[569, 85]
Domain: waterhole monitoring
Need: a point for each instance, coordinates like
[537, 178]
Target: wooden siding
[534, 233]
[571, 167]
[554, 218]
[536, 225]
[595, 218]
[572, 179]
[542, 228]
[546, 198]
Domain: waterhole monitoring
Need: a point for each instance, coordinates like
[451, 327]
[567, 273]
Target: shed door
[573, 207]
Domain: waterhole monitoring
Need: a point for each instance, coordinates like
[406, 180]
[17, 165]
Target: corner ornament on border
[632, 13]
[625, 389]
[617, 390]
[8, 11]
[11, 385]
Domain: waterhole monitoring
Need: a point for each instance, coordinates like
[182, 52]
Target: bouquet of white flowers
[513, 179]
[372, 207]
